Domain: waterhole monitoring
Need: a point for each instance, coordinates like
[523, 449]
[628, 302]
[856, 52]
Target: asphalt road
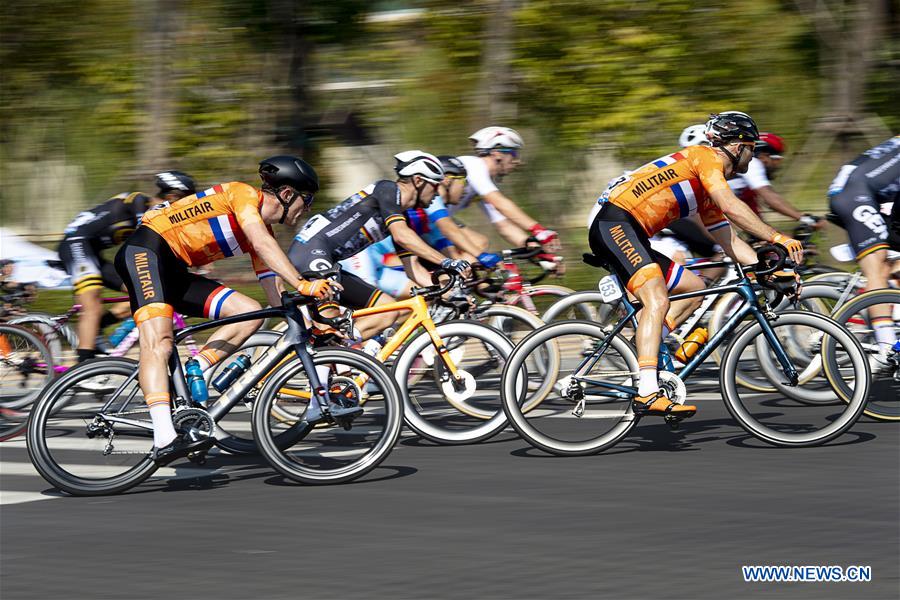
[663, 515]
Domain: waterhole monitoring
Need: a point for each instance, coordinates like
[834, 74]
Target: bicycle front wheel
[590, 408]
[90, 432]
[858, 316]
[777, 418]
[26, 367]
[328, 453]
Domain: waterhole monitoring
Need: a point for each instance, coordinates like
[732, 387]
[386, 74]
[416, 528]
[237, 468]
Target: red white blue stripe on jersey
[224, 228]
[216, 189]
[213, 305]
[686, 192]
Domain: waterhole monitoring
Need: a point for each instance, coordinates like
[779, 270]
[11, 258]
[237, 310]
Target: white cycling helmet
[695, 135]
[492, 137]
[415, 162]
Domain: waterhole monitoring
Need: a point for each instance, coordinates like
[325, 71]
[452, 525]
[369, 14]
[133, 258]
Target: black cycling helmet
[452, 165]
[279, 171]
[175, 181]
[731, 126]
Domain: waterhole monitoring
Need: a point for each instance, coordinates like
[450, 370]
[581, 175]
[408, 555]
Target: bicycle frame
[750, 306]
[293, 340]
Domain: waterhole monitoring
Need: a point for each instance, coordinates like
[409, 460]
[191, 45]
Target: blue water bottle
[231, 372]
[121, 331]
[195, 381]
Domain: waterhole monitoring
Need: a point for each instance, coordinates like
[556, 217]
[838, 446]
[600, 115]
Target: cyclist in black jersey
[856, 196]
[97, 229]
[369, 216]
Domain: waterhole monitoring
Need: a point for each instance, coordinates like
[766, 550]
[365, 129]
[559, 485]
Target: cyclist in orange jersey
[690, 183]
[226, 220]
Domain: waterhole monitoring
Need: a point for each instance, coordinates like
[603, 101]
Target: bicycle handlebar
[761, 254]
[438, 289]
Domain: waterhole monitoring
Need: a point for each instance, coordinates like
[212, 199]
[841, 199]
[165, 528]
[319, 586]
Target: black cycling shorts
[860, 215]
[894, 227]
[82, 261]
[617, 238]
[156, 278]
[314, 257]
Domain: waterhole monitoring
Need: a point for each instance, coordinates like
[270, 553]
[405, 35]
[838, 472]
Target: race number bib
[609, 289]
[316, 224]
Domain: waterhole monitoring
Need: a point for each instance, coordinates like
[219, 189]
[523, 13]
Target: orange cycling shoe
[658, 404]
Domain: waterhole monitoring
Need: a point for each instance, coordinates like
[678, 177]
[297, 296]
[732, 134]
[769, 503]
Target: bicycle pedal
[198, 458]
[578, 411]
[673, 422]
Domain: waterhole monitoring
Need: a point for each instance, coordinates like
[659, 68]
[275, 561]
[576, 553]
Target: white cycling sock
[647, 381]
[884, 333]
[163, 429]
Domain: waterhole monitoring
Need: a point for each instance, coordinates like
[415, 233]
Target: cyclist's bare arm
[407, 238]
[270, 252]
[510, 210]
[776, 202]
[740, 214]
[455, 234]
[415, 271]
[739, 250]
[272, 287]
[511, 233]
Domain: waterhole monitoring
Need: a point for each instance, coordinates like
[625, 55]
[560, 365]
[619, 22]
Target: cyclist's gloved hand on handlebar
[457, 265]
[546, 237]
[489, 259]
[794, 248]
[786, 282]
[320, 289]
[552, 262]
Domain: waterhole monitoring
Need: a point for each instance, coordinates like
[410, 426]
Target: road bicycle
[593, 409]
[448, 373]
[86, 440]
[62, 339]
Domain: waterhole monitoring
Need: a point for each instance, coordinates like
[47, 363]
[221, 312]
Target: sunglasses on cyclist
[511, 151]
[455, 177]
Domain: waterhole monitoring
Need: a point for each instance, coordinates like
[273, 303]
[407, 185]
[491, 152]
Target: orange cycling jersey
[208, 226]
[673, 187]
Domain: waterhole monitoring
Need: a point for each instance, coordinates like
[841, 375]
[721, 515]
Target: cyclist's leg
[679, 280]
[868, 234]
[617, 238]
[151, 273]
[199, 296]
[359, 294]
[83, 265]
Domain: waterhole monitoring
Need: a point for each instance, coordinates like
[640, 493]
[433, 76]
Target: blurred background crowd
[97, 95]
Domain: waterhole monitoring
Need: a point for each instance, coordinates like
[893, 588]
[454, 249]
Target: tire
[439, 416]
[543, 426]
[884, 401]
[586, 306]
[314, 463]
[836, 417]
[516, 323]
[58, 337]
[26, 367]
[57, 431]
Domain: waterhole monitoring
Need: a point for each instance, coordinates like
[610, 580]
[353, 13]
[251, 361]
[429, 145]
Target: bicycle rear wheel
[328, 453]
[777, 418]
[581, 417]
[74, 443]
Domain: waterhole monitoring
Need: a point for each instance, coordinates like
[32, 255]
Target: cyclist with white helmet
[369, 216]
[640, 204]
[497, 155]
[98, 229]
[755, 186]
